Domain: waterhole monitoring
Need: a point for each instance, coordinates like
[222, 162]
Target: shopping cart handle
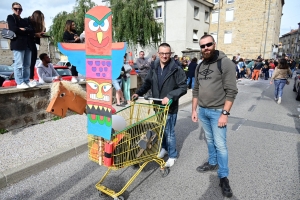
[155, 99]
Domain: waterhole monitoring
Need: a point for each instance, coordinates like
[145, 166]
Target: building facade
[248, 27]
[290, 44]
[6, 55]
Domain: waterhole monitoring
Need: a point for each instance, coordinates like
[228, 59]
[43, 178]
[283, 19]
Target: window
[215, 17]
[227, 37]
[229, 14]
[158, 13]
[216, 1]
[195, 36]
[196, 12]
[206, 16]
[230, 1]
[215, 36]
[4, 44]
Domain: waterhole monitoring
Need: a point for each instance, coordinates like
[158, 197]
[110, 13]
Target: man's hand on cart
[135, 97]
[165, 101]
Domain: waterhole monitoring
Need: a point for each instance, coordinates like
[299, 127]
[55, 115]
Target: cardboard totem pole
[100, 60]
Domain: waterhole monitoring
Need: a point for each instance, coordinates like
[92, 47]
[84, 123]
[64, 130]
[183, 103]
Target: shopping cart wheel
[164, 172]
[119, 198]
[101, 194]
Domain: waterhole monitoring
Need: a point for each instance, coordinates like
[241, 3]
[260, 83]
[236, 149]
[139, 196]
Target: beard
[207, 54]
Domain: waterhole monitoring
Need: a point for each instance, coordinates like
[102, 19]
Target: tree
[133, 22]
[81, 7]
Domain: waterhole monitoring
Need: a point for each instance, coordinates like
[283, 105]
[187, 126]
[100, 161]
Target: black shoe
[226, 190]
[206, 167]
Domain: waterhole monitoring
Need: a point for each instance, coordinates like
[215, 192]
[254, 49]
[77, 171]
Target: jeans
[271, 71]
[22, 61]
[279, 85]
[216, 139]
[169, 139]
[126, 88]
[191, 82]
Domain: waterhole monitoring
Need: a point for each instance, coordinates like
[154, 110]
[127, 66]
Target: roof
[3, 24]
[292, 32]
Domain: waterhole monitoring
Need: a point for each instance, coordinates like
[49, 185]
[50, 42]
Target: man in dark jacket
[167, 82]
[214, 92]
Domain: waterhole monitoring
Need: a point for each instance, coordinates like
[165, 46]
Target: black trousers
[33, 60]
[74, 71]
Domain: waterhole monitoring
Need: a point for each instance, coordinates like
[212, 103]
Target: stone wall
[20, 108]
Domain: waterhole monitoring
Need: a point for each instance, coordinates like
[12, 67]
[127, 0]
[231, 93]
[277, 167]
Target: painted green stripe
[97, 20]
[99, 57]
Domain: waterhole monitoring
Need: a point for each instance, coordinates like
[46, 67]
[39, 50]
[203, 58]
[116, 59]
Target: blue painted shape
[117, 61]
[76, 58]
[99, 130]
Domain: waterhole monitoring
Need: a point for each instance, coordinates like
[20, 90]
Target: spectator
[36, 20]
[241, 66]
[238, 57]
[257, 69]
[249, 68]
[177, 61]
[184, 62]
[191, 73]
[70, 36]
[214, 93]
[167, 81]
[118, 87]
[280, 76]
[271, 68]
[82, 37]
[153, 58]
[143, 65]
[265, 69]
[292, 67]
[46, 71]
[126, 80]
[20, 46]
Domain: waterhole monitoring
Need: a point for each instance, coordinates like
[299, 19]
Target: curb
[23, 171]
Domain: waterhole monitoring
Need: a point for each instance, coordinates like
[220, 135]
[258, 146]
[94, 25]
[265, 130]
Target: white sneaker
[170, 162]
[32, 84]
[279, 100]
[22, 86]
[162, 153]
[74, 79]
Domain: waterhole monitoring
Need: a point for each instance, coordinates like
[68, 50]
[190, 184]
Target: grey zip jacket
[212, 86]
[46, 74]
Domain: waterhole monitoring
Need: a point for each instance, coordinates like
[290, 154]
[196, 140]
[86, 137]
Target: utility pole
[267, 29]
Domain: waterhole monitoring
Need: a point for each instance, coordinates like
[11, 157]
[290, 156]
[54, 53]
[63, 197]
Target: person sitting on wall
[46, 71]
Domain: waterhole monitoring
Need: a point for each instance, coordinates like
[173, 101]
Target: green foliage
[82, 6]
[2, 131]
[133, 22]
[56, 118]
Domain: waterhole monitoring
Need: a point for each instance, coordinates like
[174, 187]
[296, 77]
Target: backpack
[218, 64]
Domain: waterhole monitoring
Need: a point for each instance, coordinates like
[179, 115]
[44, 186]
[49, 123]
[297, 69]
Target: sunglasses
[207, 45]
[16, 9]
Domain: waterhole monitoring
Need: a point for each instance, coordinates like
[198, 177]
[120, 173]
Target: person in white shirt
[46, 71]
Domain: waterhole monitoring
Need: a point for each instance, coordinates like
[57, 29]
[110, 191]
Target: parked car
[64, 72]
[64, 63]
[5, 72]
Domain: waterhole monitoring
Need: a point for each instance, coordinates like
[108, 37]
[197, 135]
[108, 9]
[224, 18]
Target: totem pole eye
[62, 94]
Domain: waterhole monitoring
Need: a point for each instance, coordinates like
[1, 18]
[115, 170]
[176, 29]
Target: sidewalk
[30, 150]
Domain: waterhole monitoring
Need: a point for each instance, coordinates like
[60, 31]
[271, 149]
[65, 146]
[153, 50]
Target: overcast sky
[50, 8]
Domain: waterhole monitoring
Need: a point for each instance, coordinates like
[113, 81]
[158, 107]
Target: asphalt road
[264, 159]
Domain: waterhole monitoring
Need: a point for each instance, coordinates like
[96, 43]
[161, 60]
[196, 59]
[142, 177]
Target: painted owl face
[98, 31]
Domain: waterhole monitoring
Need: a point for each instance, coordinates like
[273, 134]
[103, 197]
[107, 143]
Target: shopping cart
[138, 144]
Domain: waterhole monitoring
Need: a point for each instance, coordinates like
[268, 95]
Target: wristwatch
[225, 112]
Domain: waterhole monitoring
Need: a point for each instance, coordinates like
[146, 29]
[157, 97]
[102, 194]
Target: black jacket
[69, 37]
[21, 41]
[192, 68]
[174, 85]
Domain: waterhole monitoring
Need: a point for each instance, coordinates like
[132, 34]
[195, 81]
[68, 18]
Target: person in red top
[271, 68]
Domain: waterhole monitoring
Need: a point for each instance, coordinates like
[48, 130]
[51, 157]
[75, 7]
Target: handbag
[8, 34]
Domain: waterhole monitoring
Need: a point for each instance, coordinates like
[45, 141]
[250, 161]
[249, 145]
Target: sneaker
[279, 100]
[170, 162]
[207, 167]
[275, 98]
[226, 190]
[74, 79]
[162, 153]
[32, 84]
[22, 86]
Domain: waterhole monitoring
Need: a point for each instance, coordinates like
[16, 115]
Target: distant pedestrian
[177, 60]
[214, 92]
[271, 68]
[191, 73]
[126, 80]
[249, 68]
[257, 69]
[280, 77]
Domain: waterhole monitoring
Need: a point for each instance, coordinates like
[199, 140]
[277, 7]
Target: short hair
[164, 45]
[205, 36]
[42, 56]
[241, 60]
[141, 52]
[175, 56]
[194, 59]
[15, 3]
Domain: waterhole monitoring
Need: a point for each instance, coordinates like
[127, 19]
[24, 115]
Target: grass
[2, 131]
[56, 118]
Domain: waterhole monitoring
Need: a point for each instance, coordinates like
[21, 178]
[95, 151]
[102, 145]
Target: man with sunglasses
[20, 45]
[167, 81]
[214, 92]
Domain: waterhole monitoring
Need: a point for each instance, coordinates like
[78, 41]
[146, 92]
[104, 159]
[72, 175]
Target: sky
[50, 8]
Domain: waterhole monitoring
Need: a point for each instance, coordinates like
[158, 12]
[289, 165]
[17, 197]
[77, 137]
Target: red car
[63, 71]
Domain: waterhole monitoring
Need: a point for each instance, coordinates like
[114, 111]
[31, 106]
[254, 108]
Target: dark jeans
[33, 60]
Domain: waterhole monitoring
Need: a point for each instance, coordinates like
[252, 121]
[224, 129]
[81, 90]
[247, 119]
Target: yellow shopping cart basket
[138, 144]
